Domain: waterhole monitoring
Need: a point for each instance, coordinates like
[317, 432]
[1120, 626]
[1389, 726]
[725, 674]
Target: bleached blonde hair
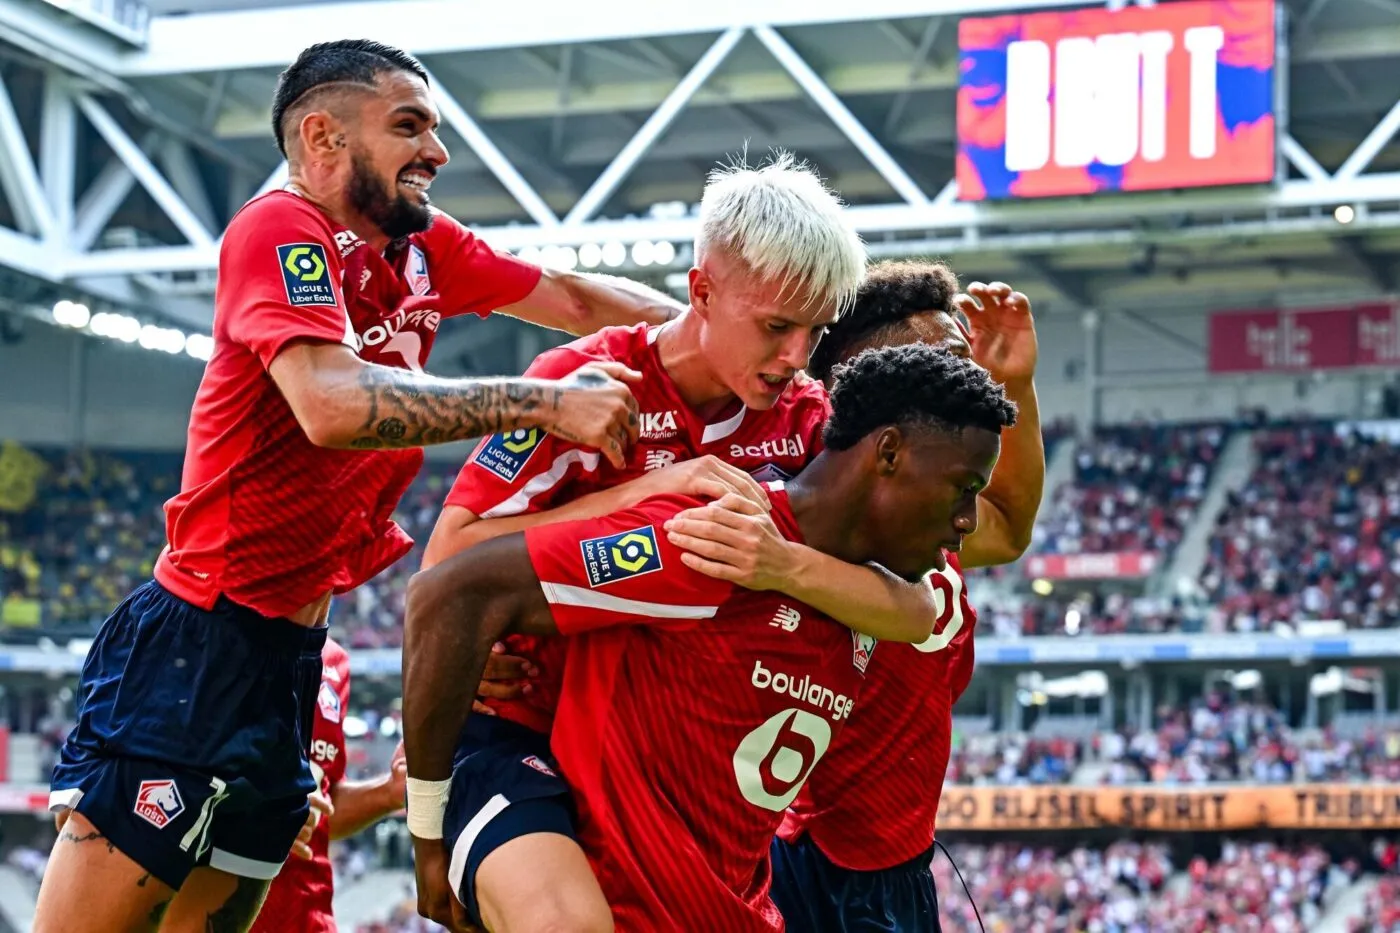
[783, 222]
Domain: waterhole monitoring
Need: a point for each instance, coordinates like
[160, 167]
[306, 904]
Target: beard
[395, 215]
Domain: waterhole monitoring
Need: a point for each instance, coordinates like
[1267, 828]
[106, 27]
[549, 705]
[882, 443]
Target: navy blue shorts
[816, 895]
[190, 747]
[505, 784]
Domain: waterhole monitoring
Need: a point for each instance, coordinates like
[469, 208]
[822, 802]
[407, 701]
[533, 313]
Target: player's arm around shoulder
[730, 540]
[582, 303]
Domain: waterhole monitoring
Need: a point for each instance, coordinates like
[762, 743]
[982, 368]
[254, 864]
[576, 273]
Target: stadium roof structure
[130, 131]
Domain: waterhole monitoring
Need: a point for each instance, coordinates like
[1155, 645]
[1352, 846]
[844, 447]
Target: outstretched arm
[582, 303]
[343, 402]
[1002, 332]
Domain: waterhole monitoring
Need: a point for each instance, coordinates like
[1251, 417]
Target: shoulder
[445, 233]
[611, 344]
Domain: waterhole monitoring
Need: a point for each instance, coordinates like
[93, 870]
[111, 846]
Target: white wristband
[427, 803]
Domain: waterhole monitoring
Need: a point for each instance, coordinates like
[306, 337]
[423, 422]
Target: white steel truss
[58, 230]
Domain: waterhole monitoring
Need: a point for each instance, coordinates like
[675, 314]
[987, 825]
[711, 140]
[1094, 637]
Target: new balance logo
[658, 425]
[787, 619]
[659, 459]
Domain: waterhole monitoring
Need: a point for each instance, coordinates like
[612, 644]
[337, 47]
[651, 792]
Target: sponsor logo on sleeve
[417, 272]
[306, 274]
[158, 802]
[621, 556]
[506, 454]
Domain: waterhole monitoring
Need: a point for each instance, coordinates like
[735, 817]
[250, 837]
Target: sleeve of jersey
[279, 280]
[520, 472]
[621, 570]
[477, 279]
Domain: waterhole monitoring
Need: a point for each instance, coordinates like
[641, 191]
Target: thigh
[540, 881]
[91, 886]
[214, 901]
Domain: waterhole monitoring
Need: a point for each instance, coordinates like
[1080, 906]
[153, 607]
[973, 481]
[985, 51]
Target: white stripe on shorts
[463, 846]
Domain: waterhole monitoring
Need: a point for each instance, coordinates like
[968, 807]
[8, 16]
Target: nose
[434, 152]
[797, 348]
[965, 519]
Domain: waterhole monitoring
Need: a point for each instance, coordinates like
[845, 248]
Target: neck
[679, 347]
[828, 499]
[330, 198]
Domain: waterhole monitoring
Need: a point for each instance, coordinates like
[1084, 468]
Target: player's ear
[702, 289]
[320, 133]
[889, 450]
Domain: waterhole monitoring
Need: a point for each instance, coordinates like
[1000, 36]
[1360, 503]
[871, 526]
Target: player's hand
[707, 477]
[506, 678]
[396, 786]
[435, 898]
[320, 808]
[735, 540]
[1002, 331]
[595, 408]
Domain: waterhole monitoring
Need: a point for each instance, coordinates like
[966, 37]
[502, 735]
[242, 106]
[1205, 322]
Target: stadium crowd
[1253, 887]
[1314, 534]
[1135, 488]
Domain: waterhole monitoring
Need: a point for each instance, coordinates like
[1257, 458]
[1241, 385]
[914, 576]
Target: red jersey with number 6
[299, 899]
[264, 516]
[873, 803]
[692, 711]
[530, 471]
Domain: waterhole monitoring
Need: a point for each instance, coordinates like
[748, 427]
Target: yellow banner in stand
[1171, 809]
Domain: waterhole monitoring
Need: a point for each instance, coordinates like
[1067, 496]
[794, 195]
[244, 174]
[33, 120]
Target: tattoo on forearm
[410, 410]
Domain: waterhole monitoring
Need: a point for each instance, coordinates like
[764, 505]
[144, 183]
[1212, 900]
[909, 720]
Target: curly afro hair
[893, 291]
[914, 384]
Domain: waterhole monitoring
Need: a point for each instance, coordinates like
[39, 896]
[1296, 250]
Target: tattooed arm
[343, 402]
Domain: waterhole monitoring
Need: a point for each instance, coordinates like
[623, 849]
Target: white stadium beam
[655, 125]
[1302, 160]
[831, 105]
[178, 162]
[456, 116]
[58, 150]
[1376, 140]
[18, 175]
[145, 172]
[103, 198]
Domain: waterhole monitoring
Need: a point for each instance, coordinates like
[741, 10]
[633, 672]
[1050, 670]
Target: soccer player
[835, 869]
[299, 899]
[775, 259]
[692, 710]
[187, 768]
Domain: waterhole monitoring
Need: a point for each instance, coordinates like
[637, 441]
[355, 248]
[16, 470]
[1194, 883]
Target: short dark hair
[893, 292]
[344, 61]
[913, 384]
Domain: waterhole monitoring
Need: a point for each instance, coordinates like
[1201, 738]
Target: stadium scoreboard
[1178, 95]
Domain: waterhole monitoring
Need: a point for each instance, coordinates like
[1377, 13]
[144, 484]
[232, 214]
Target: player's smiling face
[925, 499]
[395, 155]
[758, 333]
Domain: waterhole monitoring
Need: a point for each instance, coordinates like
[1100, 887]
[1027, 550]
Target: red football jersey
[873, 802]
[299, 899]
[530, 471]
[692, 711]
[264, 516]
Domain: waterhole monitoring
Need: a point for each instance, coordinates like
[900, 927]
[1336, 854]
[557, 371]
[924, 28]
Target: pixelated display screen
[1178, 95]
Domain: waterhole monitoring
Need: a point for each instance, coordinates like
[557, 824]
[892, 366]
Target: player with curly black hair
[682, 689]
[835, 870]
